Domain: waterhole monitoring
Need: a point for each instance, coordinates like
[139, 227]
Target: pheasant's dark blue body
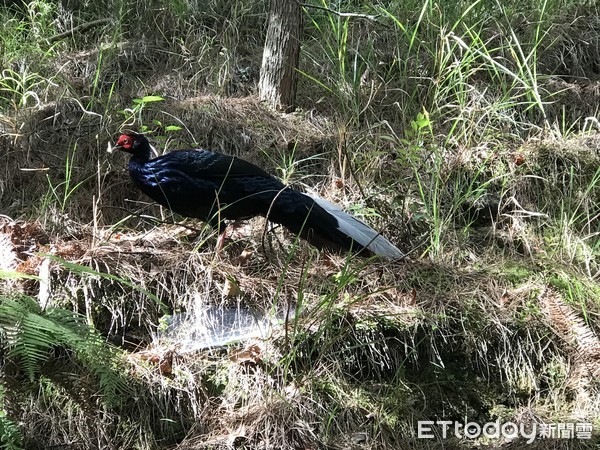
[213, 187]
[205, 185]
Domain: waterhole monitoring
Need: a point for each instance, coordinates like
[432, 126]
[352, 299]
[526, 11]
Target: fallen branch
[78, 29]
[341, 14]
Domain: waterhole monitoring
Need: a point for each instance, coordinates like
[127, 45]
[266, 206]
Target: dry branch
[78, 29]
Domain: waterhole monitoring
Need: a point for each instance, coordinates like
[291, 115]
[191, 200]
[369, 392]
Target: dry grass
[375, 346]
[349, 372]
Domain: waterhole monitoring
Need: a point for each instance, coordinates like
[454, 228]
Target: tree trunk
[278, 75]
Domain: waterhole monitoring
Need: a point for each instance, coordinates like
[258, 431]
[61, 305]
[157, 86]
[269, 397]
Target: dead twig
[342, 14]
[78, 29]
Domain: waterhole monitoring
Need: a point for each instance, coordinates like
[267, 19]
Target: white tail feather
[359, 231]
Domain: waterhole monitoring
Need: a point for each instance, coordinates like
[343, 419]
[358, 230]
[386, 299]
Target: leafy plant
[30, 333]
[133, 115]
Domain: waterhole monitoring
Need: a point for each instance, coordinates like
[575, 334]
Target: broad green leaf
[148, 99]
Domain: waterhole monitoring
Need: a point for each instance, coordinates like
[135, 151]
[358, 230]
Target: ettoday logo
[426, 429]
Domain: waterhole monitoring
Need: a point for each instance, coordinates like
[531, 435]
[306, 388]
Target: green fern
[10, 436]
[29, 334]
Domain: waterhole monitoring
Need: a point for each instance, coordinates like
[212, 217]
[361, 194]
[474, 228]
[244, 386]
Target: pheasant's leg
[229, 228]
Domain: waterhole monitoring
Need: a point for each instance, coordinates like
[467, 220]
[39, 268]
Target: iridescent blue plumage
[213, 187]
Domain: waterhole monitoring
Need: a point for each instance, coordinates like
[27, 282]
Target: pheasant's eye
[125, 141]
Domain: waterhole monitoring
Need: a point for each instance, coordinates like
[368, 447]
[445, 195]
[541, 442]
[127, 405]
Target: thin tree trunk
[278, 75]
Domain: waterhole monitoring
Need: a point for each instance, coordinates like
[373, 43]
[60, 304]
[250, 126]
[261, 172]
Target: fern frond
[30, 334]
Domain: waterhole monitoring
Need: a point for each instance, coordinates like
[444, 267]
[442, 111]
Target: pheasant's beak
[112, 149]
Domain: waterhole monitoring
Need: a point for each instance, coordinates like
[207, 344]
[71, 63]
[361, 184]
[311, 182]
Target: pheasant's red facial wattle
[125, 142]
